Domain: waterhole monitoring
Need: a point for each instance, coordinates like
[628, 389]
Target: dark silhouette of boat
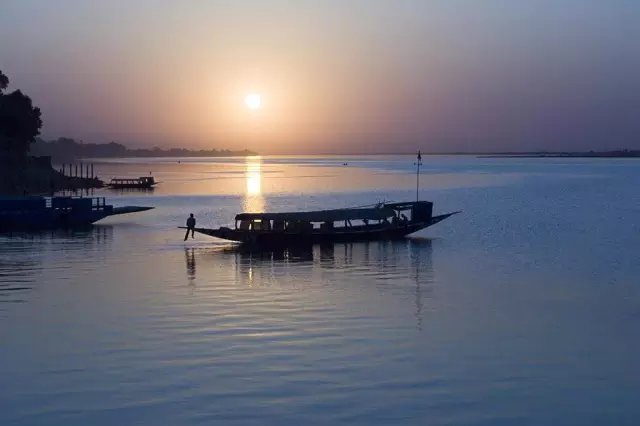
[143, 182]
[39, 213]
[384, 221]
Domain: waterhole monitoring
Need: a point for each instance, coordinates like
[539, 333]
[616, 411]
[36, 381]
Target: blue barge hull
[39, 213]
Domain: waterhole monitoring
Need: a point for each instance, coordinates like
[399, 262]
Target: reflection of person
[191, 225]
[191, 264]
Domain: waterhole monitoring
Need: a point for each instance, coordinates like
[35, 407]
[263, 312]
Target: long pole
[417, 180]
[418, 164]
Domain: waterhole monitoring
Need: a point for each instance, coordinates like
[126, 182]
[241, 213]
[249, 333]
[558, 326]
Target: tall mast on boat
[418, 164]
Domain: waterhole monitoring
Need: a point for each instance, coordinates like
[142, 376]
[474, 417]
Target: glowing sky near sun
[331, 76]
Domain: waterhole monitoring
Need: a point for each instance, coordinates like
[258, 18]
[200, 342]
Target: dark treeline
[67, 149]
[21, 173]
[20, 123]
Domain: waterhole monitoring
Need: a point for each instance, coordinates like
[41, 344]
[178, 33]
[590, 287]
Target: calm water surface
[523, 310]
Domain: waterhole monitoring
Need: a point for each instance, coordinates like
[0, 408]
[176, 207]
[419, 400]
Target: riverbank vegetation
[21, 173]
[67, 149]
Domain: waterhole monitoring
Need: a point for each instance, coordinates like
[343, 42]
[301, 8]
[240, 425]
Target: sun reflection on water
[253, 199]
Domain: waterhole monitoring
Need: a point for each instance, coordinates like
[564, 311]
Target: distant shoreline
[533, 154]
[631, 154]
[590, 154]
[68, 150]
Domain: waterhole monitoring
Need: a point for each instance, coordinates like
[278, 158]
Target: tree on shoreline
[20, 123]
[4, 81]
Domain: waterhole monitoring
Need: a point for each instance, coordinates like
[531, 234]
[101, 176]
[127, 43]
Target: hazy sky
[334, 76]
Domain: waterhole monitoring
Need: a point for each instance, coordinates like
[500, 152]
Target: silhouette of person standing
[191, 225]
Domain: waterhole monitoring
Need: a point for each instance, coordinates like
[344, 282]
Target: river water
[524, 309]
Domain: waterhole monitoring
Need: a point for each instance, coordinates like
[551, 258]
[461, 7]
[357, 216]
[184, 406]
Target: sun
[253, 101]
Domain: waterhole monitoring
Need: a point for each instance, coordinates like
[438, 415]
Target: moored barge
[39, 213]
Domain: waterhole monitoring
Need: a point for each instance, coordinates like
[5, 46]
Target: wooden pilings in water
[75, 177]
[85, 171]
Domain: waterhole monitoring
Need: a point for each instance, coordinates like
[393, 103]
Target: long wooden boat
[383, 221]
[143, 182]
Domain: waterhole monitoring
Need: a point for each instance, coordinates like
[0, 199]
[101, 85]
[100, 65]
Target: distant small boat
[38, 213]
[383, 221]
[143, 182]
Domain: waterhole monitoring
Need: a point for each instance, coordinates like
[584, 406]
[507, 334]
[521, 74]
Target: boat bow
[129, 209]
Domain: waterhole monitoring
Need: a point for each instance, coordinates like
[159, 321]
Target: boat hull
[284, 238]
[45, 219]
[131, 186]
[37, 220]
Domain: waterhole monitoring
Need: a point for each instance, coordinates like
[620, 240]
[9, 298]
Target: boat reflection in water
[400, 267]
